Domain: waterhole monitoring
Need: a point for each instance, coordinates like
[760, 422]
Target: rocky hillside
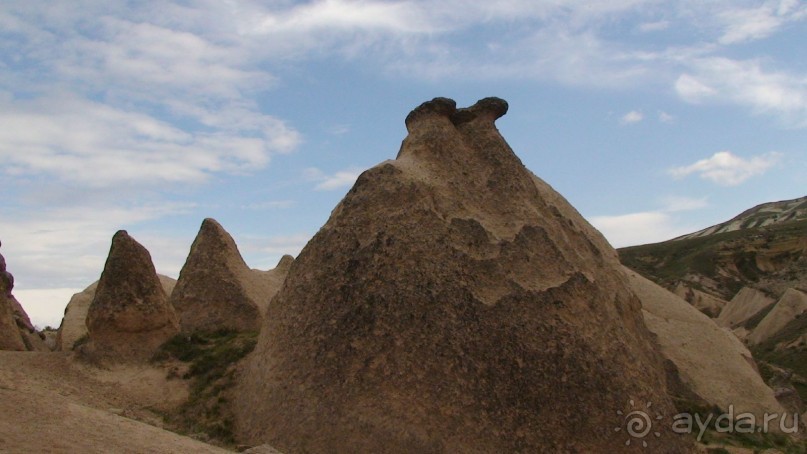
[771, 258]
[750, 274]
[766, 214]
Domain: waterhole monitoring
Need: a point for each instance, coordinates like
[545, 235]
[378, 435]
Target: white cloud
[69, 245]
[664, 117]
[727, 169]
[654, 26]
[265, 252]
[131, 101]
[96, 144]
[634, 116]
[269, 205]
[691, 89]
[677, 203]
[748, 24]
[405, 17]
[649, 226]
[45, 307]
[746, 83]
[337, 180]
[638, 228]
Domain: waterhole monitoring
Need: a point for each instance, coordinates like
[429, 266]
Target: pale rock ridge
[74, 321]
[745, 304]
[790, 306]
[704, 302]
[453, 302]
[217, 290]
[710, 361]
[129, 317]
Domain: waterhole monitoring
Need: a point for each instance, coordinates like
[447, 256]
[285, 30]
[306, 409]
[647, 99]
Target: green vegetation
[727, 258]
[211, 363]
[752, 322]
[81, 341]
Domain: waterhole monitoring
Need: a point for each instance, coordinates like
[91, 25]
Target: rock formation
[216, 289]
[10, 338]
[74, 322]
[129, 317]
[790, 306]
[709, 361]
[453, 302]
[747, 303]
[16, 331]
[704, 302]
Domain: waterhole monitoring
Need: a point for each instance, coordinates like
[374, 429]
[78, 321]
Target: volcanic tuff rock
[216, 289]
[74, 322]
[704, 302]
[453, 302]
[747, 303]
[10, 338]
[790, 306]
[129, 317]
[16, 331]
[710, 361]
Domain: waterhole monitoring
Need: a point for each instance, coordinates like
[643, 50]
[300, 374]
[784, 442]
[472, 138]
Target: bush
[211, 358]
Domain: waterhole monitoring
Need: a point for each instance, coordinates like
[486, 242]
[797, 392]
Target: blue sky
[652, 118]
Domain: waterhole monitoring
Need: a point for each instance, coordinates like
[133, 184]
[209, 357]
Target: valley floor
[49, 403]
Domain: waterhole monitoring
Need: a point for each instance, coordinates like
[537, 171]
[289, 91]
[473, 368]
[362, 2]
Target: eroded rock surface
[453, 302]
[217, 290]
[129, 317]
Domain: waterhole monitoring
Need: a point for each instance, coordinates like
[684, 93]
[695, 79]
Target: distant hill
[766, 214]
[770, 258]
[758, 262]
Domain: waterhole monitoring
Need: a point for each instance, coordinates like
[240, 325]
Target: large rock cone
[217, 290]
[129, 317]
[453, 302]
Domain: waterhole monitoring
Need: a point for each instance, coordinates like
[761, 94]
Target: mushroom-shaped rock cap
[489, 108]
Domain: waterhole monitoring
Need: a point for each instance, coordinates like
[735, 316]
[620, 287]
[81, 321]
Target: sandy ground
[51, 404]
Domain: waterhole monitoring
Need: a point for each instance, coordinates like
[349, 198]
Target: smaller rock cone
[216, 289]
[129, 317]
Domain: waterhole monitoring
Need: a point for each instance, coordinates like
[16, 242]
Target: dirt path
[50, 404]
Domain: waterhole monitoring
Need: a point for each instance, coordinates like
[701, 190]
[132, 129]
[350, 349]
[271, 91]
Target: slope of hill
[760, 216]
[771, 258]
[753, 260]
